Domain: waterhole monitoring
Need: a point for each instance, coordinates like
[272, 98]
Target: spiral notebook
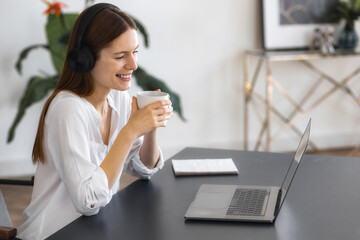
[204, 166]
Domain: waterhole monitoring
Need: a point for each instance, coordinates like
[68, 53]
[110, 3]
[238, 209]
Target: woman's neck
[99, 100]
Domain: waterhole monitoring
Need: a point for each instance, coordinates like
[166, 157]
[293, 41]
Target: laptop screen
[295, 162]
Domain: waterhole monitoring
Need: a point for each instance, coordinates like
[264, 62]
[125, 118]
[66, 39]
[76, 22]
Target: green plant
[58, 29]
[349, 10]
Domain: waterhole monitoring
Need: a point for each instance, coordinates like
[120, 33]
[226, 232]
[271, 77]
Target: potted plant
[349, 11]
[58, 29]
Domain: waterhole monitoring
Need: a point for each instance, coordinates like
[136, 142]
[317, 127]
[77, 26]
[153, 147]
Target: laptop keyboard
[247, 202]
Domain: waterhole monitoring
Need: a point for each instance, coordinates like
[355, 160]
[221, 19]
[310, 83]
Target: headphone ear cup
[81, 60]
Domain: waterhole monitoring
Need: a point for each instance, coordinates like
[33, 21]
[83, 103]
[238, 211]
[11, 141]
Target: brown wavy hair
[107, 25]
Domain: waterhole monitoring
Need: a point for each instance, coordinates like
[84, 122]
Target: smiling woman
[58, 29]
[90, 129]
[117, 62]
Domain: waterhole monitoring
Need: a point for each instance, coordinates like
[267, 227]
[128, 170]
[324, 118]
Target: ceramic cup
[146, 97]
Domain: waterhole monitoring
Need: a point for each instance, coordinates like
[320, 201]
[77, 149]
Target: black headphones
[81, 58]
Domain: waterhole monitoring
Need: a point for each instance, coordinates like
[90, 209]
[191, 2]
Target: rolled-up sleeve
[67, 145]
[135, 167]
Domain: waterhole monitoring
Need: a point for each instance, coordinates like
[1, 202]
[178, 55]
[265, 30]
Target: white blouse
[71, 183]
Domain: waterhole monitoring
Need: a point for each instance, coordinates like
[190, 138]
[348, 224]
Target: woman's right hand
[150, 117]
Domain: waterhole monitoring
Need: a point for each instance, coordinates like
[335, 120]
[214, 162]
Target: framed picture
[290, 24]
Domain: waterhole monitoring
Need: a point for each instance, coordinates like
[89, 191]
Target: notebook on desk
[216, 166]
[246, 203]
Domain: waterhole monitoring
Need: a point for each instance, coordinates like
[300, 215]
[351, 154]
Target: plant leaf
[58, 31]
[36, 89]
[355, 4]
[142, 30]
[24, 53]
[150, 83]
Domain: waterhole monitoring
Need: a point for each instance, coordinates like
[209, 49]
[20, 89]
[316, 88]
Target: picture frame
[280, 36]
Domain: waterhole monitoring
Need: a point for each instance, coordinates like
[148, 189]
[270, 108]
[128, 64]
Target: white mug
[146, 97]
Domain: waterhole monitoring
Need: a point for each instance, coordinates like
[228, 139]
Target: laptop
[244, 202]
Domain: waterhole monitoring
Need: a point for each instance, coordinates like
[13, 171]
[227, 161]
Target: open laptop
[245, 203]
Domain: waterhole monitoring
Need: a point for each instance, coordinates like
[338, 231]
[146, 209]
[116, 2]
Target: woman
[90, 129]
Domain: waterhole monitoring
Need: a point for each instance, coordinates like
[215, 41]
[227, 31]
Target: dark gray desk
[323, 202]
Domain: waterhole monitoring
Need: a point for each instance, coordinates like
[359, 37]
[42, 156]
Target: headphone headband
[81, 58]
[89, 14]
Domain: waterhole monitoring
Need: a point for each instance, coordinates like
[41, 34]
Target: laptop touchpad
[212, 200]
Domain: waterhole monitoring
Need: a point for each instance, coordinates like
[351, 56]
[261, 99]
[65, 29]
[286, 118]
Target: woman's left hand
[150, 117]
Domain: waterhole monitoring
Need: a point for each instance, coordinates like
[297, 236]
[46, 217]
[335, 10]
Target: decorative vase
[348, 38]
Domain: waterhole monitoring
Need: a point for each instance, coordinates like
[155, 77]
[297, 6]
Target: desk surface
[322, 203]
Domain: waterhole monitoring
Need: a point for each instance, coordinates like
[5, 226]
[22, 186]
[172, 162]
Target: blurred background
[197, 48]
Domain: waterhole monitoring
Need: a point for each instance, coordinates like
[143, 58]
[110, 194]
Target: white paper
[204, 166]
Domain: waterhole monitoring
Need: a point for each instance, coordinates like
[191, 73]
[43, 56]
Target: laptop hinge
[278, 200]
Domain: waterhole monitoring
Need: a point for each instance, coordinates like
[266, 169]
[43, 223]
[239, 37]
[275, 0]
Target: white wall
[196, 47]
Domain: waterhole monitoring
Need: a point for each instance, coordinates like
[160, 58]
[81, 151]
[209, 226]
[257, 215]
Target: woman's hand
[150, 117]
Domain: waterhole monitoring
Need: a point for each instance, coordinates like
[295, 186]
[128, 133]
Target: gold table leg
[298, 112]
